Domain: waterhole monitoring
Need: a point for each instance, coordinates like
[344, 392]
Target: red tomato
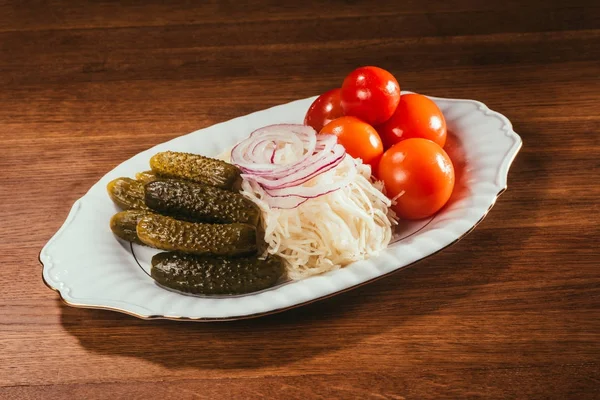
[417, 116]
[371, 94]
[324, 109]
[420, 170]
[359, 139]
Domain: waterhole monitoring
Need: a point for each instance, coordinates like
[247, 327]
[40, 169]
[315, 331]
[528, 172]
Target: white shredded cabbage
[329, 231]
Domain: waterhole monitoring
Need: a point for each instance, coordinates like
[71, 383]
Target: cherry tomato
[417, 116]
[371, 94]
[324, 109]
[359, 139]
[420, 170]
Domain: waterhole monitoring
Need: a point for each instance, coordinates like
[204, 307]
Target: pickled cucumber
[196, 168]
[215, 275]
[145, 176]
[127, 193]
[197, 202]
[218, 239]
[123, 224]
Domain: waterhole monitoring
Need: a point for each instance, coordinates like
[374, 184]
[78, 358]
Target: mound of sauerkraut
[343, 216]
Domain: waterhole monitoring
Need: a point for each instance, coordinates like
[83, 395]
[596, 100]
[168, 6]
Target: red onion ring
[280, 184]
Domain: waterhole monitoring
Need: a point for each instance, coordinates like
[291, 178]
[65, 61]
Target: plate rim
[504, 168]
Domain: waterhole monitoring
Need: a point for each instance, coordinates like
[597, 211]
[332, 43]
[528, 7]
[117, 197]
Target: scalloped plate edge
[503, 176]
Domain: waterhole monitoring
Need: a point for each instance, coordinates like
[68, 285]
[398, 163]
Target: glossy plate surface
[89, 267]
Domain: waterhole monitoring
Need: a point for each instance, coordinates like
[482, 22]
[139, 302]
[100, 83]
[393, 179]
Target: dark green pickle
[217, 239]
[127, 193]
[199, 203]
[196, 168]
[123, 224]
[216, 275]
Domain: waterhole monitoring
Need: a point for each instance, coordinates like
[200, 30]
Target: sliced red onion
[299, 177]
[312, 191]
[288, 202]
[245, 156]
[328, 144]
[281, 184]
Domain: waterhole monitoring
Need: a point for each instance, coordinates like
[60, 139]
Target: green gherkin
[196, 168]
[127, 193]
[196, 202]
[123, 224]
[146, 176]
[216, 275]
[218, 239]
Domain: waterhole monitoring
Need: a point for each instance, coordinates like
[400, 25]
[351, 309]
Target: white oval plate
[89, 267]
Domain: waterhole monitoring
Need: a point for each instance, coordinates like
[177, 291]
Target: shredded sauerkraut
[332, 230]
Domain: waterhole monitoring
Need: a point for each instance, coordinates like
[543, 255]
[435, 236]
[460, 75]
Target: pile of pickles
[189, 205]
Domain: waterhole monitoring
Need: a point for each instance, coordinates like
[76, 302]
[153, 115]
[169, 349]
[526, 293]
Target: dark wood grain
[511, 311]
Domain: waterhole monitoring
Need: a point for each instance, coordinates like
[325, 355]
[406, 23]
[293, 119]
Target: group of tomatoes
[400, 136]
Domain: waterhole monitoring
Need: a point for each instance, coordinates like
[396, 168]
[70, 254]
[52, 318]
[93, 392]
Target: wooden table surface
[511, 311]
